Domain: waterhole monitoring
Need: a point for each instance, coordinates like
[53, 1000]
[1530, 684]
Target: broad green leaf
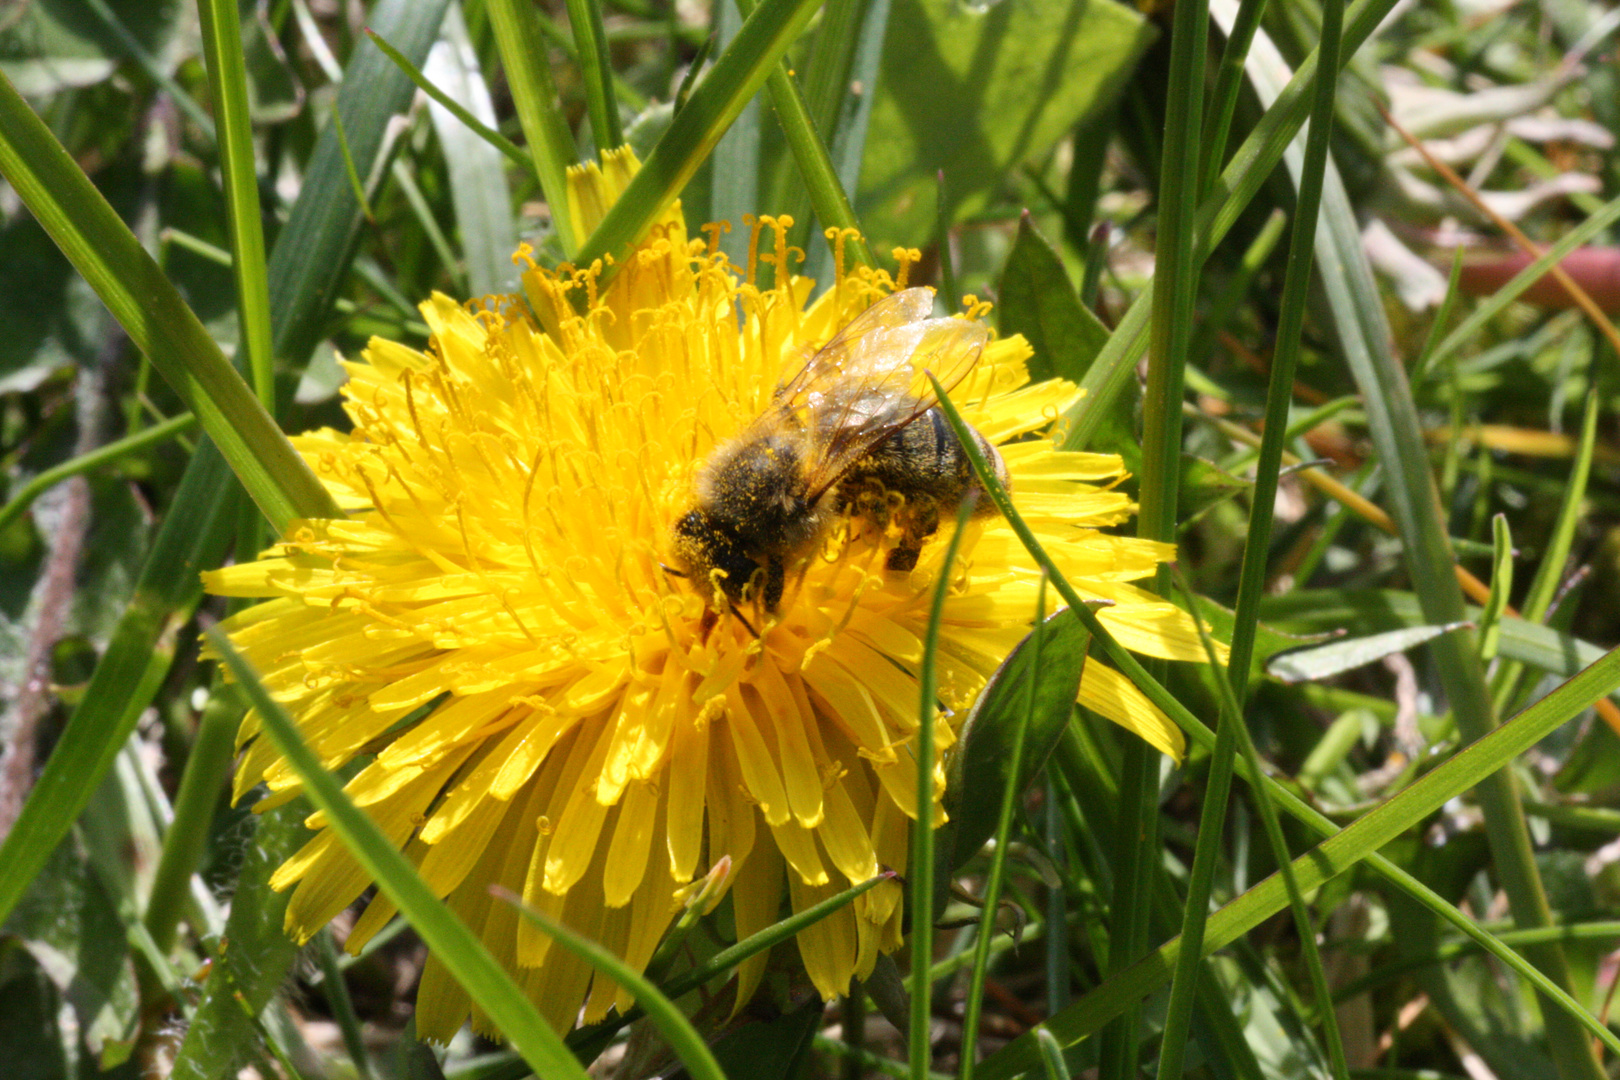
[49, 45]
[71, 925]
[1038, 301]
[978, 90]
[980, 761]
[773, 1050]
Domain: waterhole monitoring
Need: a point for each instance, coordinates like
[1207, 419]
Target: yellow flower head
[546, 706]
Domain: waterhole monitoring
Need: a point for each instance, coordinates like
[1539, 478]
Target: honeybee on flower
[495, 634]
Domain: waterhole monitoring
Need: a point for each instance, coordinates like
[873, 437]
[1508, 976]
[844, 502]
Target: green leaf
[315, 248]
[1324, 661]
[774, 1049]
[978, 768]
[1329, 858]
[72, 928]
[977, 90]
[672, 1024]
[49, 45]
[739, 72]
[478, 188]
[1038, 301]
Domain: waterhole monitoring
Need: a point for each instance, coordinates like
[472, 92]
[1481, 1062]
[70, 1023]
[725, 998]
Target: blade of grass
[1229, 85]
[740, 71]
[151, 311]
[734, 165]
[315, 249]
[1335, 855]
[479, 193]
[526, 59]
[1252, 577]
[1227, 682]
[227, 82]
[825, 88]
[921, 891]
[828, 199]
[1239, 182]
[1175, 292]
[671, 1023]
[337, 996]
[1605, 666]
[134, 663]
[590, 41]
[208, 765]
[513, 152]
[494, 991]
[998, 858]
[19, 503]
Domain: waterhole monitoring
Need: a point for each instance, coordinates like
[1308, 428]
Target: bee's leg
[707, 624]
[921, 521]
[744, 620]
[775, 582]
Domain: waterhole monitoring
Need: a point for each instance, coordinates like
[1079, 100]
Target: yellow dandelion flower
[539, 703]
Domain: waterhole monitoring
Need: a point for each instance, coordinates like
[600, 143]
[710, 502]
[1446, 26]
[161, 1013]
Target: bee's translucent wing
[868, 382]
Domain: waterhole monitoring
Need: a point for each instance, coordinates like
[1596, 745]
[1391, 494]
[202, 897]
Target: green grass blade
[19, 503]
[1492, 305]
[672, 1024]
[515, 153]
[590, 43]
[1555, 556]
[479, 193]
[920, 894]
[1175, 276]
[315, 248]
[526, 59]
[740, 71]
[1239, 182]
[134, 663]
[1207, 852]
[1226, 683]
[998, 860]
[1334, 856]
[828, 199]
[1602, 667]
[227, 81]
[462, 953]
[1175, 292]
[1229, 85]
[208, 766]
[151, 311]
[734, 187]
[337, 996]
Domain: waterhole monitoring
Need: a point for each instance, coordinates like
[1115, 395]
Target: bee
[850, 435]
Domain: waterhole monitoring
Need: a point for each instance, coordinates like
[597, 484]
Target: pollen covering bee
[856, 433]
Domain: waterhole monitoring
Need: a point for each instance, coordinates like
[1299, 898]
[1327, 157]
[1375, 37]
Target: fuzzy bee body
[848, 435]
